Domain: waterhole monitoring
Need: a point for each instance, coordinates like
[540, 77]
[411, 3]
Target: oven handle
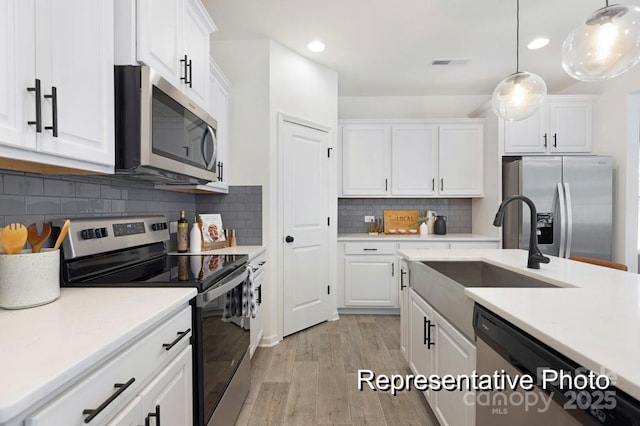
[227, 284]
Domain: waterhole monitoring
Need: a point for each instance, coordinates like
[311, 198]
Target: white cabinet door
[196, 47]
[454, 355]
[420, 351]
[366, 165]
[461, 154]
[570, 127]
[414, 160]
[74, 48]
[131, 415]
[220, 106]
[170, 395]
[17, 41]
[159, 37]
[526, 136]
[404, 309]
[370, 281]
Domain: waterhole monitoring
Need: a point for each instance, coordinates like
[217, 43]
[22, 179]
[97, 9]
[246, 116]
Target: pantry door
[305, 235]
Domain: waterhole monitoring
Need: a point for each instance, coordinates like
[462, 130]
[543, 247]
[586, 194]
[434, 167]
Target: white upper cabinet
[383, 158]
[220, 100]
[366, 150]
[170, 36]
[564, 125]
[414, 156]
[56, 102]
[460, 163]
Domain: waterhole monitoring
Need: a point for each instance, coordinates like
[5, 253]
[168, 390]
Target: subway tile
[87, 190]
[74, 205]
[12, 204]
[59, 188]
[118, 206]
[110, 192]
[42, 205]
[23, 185]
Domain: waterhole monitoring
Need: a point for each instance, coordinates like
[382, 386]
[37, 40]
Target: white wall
[267, 79]
[618, 135]
[408, 106]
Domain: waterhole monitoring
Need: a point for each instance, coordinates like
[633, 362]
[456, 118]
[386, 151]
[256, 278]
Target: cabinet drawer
[423, 245]
[137, 362]
[373, 247]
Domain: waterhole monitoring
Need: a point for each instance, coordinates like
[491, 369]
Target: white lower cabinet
[256, 330]
[155, 369]
[436, 347]
[370, 281]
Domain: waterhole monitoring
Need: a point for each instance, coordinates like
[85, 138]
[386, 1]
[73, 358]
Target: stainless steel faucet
[535, 255]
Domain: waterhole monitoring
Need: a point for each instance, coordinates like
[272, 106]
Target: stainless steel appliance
[574, 200]
[131, 252]
[501, 346]
[161, 135]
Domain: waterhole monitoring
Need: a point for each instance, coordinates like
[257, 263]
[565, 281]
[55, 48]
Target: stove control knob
[104, 232]
[98, 233]
[164, 225]
[154, 227]
[86, 234]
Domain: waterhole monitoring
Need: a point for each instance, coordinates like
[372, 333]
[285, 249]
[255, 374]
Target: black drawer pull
[38, 122]
[259, 298]
[54, 111]
[181, 334]
[370, 249]
[428, 326]
[262, 263]
[94, 412]
[156, 414]
[402, 274]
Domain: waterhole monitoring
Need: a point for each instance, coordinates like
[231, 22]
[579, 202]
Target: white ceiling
[384, 47]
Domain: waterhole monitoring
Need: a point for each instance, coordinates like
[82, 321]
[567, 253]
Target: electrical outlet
[369, 219]
[173, 227]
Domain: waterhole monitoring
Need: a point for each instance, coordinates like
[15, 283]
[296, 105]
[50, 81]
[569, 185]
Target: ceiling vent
[450, 61]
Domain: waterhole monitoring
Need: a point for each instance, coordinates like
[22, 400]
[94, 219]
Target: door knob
[289, 239]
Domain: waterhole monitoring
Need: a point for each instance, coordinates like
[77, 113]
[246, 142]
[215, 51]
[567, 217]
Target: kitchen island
[592, 316]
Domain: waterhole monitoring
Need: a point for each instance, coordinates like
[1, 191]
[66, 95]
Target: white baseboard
[269, 341]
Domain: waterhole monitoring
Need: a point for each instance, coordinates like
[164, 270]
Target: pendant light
[521, 94]
[606, 45]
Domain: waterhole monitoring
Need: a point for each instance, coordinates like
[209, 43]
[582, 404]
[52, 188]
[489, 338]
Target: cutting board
[400, 219]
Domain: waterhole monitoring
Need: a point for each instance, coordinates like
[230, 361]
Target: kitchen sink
[442, 285]
[482, 274]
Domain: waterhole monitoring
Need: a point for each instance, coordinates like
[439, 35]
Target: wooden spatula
[63, 234]
[37, 240]
[14, 237]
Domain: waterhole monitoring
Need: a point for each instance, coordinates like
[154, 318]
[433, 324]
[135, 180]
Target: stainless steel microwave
[161, 135]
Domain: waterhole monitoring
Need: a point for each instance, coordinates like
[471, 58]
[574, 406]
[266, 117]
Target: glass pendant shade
[519, 96]
[605, 46]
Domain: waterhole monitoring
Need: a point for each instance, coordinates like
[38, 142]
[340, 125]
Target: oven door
[222, 373]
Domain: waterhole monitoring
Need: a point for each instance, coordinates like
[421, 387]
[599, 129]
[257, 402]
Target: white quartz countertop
[417, 238]
[593, 320]
[44, 348]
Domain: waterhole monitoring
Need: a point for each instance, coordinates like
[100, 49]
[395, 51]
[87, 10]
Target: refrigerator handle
[563, 219]
[569, 219]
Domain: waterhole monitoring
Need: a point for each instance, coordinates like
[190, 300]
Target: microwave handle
[209, 162]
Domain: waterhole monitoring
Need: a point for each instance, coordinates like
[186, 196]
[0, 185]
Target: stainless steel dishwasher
[501, 346]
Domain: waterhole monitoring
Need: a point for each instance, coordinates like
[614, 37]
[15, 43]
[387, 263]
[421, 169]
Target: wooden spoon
[14, 237]
[1, 246]
[37, 240]
[63, 234]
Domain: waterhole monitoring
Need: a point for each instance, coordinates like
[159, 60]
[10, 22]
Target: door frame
[332, 200]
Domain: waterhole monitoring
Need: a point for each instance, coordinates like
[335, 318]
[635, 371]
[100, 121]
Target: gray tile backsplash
[28, 198]
[351, 211]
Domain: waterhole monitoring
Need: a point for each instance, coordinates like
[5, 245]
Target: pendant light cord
[518, 35]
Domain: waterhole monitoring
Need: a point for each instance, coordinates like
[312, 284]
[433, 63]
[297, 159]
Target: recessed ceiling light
[538, 43]
[316, 46]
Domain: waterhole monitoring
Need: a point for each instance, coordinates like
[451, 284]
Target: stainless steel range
[131, 252]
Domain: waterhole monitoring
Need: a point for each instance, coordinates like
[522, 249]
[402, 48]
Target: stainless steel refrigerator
[573, 196]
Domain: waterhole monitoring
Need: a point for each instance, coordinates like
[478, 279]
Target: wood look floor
[310, 377]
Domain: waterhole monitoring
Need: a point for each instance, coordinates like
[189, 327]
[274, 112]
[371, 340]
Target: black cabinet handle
[93, 412]
[428, 341]
[369, 249]
[386, 184]
[433, 184]
[184, 61]
[262, 263]
[259, 298]
[190, 74]
[441, 184]
[54, 111]
[402, 274]
[393, 269]
[555, 140]
[181, 334]
[38, 122]
[156, 414]
[545, 140]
